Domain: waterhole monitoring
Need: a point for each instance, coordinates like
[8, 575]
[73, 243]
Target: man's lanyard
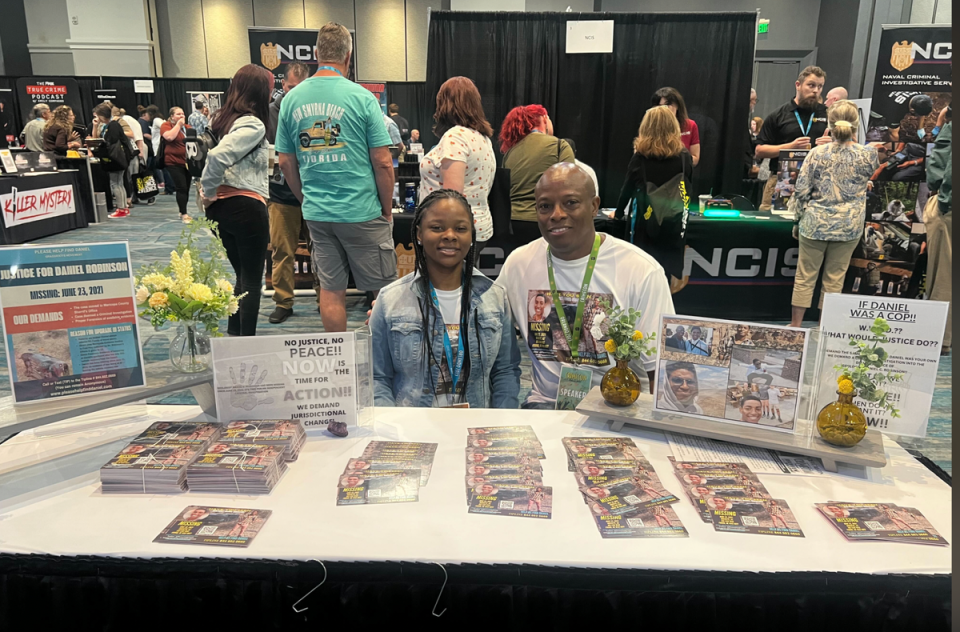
[329, 68]
[448, 348]
[805, 132]
[574, 340]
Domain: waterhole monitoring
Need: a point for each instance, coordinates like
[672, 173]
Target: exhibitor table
[64, 543]
[747, 264]
[29, 231]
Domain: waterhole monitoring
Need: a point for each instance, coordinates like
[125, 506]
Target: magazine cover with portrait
[739, 373]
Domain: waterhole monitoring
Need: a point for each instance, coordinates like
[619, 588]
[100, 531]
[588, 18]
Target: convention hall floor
[153, 232]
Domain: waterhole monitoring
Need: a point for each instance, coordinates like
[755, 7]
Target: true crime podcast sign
[916, 334]
[69, 320]
[309, 377]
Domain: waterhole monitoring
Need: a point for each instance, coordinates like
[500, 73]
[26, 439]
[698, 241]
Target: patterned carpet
[153, 232]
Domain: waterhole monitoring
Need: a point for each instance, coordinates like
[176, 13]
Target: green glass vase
[841, 422]
[620, 386]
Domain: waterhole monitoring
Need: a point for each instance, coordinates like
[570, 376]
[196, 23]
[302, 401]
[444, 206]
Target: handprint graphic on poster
[245, 400]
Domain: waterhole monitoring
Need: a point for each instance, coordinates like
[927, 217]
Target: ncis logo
[905, 54]
[272, 55]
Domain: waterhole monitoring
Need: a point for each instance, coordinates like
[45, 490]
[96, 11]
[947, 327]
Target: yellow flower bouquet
[192, 288]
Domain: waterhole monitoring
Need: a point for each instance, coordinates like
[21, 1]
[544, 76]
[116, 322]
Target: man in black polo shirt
[797, 125]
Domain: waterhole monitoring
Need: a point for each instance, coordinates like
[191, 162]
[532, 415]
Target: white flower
[142, 294]
[233, 305]
[224, 286]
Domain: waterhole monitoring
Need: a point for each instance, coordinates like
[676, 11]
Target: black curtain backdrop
[598, 100]
[167, 93]
[411, 98]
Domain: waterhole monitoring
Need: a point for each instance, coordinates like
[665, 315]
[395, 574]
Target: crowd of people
[445, 335]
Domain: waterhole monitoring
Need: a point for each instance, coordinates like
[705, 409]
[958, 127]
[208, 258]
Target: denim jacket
[239, 160]
[397, 328]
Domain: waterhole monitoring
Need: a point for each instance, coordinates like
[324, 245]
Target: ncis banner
[54, 91]
[274, 48]
[911, 92]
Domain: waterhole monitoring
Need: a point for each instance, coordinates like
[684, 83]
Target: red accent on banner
[44, 90]
[17, 320]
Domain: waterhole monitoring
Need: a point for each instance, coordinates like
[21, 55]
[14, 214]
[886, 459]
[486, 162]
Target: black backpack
[197, 148]
[115, 156]
[661, 211]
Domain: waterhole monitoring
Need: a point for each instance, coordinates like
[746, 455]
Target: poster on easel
[915, 338]
[69, 320]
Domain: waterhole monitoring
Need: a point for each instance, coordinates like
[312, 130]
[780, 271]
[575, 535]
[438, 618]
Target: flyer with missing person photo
[754, 515]
[659, 521]
[734, 372]
[219, 526]
[524, 501]
[885, 522]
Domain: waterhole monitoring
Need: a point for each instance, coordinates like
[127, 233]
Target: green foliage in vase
[867, 376]
[625, 342]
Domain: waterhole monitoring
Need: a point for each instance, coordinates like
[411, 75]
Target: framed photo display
[739, 373]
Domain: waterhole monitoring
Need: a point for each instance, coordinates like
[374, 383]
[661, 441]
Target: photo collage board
[738, 373]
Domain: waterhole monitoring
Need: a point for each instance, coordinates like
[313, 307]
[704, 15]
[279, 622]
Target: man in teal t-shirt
[334, 153]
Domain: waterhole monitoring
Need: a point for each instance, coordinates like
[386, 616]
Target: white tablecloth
[75, 518]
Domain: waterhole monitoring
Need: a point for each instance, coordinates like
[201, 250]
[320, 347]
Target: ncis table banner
[54, 91]
[911, 91]
[274, 48]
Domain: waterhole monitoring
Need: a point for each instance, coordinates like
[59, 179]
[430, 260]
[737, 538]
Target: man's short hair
[748, 398]
[816, 71]
[393, 108]
[296, 70]
[39, 109]
[334, 43]
[198, 105]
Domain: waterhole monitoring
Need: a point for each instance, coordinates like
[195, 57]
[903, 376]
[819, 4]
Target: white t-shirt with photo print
[450, 307]
[462, 144]
[624, 275]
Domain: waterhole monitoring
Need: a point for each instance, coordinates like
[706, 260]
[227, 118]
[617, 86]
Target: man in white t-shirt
[624, 275]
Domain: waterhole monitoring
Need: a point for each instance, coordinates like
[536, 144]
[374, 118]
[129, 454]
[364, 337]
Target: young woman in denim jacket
[418, 321]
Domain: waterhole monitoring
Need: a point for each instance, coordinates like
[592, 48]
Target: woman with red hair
[529, 148]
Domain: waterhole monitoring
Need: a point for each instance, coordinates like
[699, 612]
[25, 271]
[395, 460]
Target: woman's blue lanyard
[448, 347]
[805, 132]
[329, 68]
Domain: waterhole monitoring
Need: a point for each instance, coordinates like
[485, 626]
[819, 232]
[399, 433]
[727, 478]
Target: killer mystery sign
[274, 48]
[311, 377]
[916, 334]
[54, 91]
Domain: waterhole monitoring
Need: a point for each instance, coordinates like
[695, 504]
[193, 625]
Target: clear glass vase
[190, 348]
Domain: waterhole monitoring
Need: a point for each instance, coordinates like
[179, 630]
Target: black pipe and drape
[598, 100]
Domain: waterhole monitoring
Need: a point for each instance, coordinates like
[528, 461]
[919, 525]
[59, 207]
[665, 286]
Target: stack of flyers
[883, 522]
[621, 488]
[242, 468]
[179, 433]
[222, 526]
[503, 473]
[731, 498]
[149, 469]
[386, 472]
[285, 433]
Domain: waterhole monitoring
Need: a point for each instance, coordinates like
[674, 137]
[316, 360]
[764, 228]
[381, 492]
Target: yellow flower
[224, 286]
[637, 335]
[142, 295]
[157, 281]
[158, 300]
[846, 387]
[199, 292]
[182, 270]
[610, 346]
